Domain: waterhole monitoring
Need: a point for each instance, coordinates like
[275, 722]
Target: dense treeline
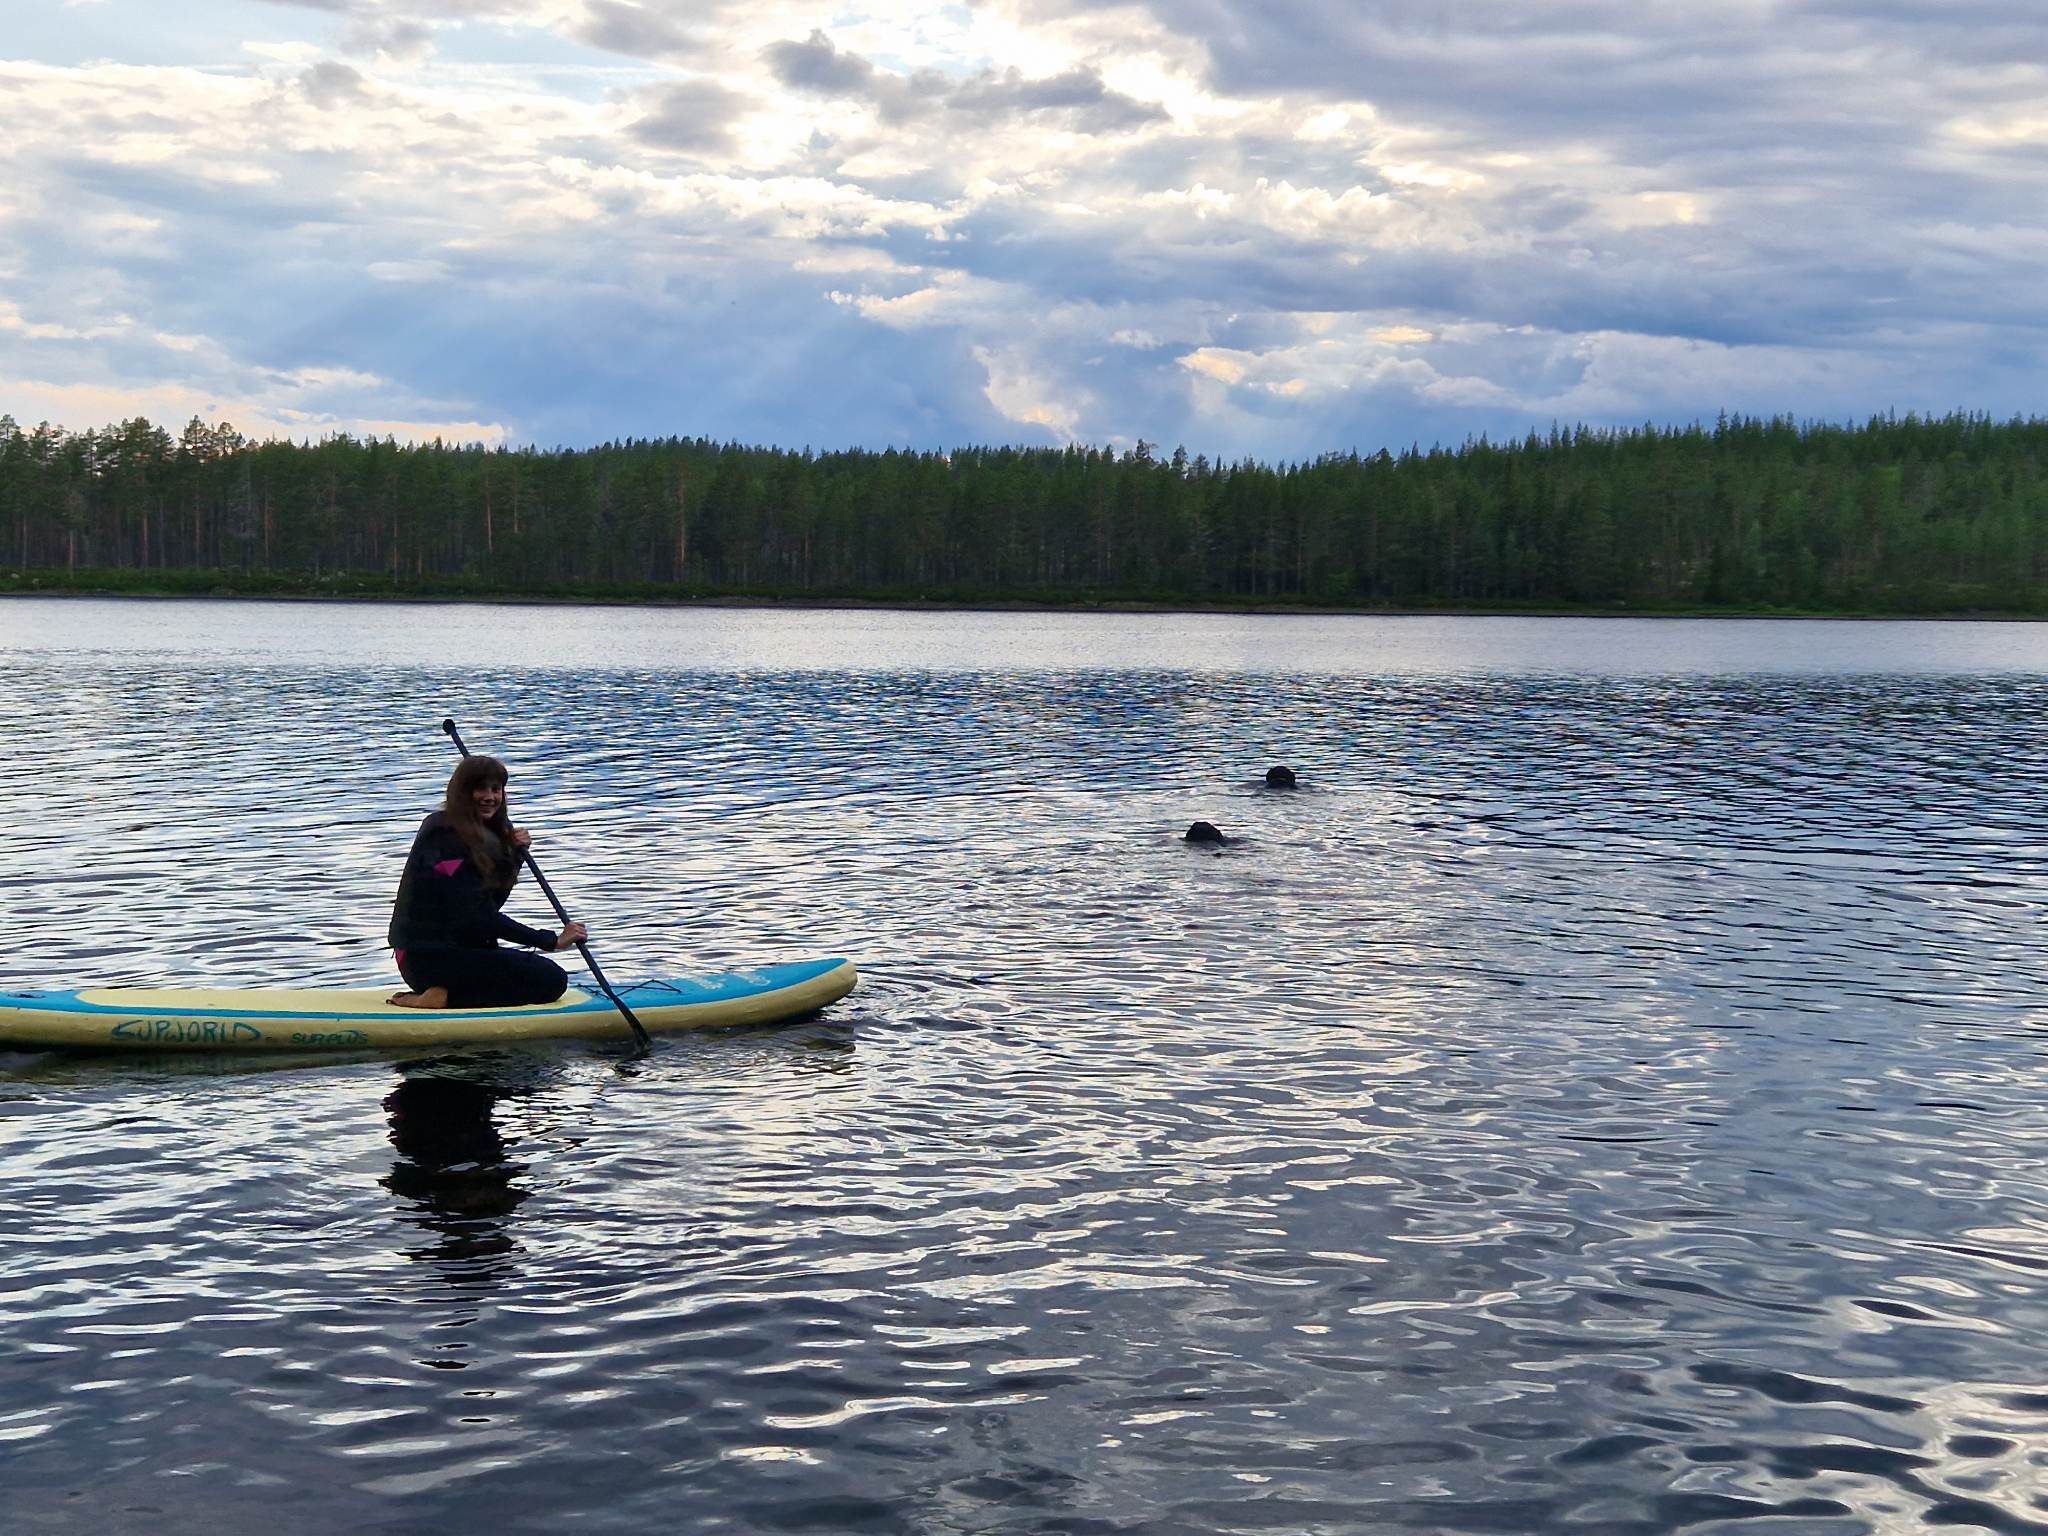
[1901, 514]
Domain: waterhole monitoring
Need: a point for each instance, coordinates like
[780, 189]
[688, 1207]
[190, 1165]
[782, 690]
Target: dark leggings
[484, 978]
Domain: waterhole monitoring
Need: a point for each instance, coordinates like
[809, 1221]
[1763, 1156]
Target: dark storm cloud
[1078, 96]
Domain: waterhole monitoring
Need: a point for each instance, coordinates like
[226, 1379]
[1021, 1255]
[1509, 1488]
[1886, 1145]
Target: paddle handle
[583, 949]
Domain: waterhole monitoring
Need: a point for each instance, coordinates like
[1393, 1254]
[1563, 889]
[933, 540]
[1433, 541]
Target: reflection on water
[1606, 1095]
[454, 1173]
[397, 638]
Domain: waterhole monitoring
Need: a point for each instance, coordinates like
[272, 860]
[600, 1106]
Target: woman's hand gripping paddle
[582, 948]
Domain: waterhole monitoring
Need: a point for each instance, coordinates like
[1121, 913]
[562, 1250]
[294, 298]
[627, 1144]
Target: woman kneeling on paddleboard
[446, 923]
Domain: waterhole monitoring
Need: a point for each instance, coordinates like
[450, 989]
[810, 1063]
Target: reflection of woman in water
[452, 1164]
[446, 923]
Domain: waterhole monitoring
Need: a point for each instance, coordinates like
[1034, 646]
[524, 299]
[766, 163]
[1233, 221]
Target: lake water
[1607, 1096]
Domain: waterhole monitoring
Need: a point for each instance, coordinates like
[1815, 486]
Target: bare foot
[433, 997]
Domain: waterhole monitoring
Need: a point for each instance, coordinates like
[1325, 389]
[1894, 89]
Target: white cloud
[268, 414]
[2012, 128]
[848, 259]
[13, 321]
[1330, 356]
[1621, 372]
[295, 55]
[1028, 398]
[1218, 363]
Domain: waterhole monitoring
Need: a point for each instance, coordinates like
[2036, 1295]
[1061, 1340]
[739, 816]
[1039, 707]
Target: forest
[1903, 514]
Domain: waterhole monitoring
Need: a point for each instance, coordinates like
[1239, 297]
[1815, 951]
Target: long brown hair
[489, 842]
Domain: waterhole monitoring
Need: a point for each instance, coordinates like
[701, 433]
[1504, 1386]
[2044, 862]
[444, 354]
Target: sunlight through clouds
[1027, 399]
[1272, 230]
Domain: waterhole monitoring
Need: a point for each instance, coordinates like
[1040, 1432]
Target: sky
[1265, 229]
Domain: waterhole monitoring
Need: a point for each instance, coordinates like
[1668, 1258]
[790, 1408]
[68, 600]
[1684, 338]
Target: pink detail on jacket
[447, 866]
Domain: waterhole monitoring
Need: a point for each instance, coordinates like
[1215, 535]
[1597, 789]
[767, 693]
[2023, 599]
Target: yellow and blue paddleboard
[337, 1018]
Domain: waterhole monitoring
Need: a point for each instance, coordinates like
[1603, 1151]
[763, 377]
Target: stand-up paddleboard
[334, 1018]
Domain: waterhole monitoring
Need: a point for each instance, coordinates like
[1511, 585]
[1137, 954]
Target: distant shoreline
[1753, 517]
[41, 585]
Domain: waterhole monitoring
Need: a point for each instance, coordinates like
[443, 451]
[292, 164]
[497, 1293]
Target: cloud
[642, 31]
[430, 11]
[329, 84]
[397, 39]
[1274, 229]
[694, 117]
[1029, 399]
[817, 65]
[299, 403]
[1078, 96]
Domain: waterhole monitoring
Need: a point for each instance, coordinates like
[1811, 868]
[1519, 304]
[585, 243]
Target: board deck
[353, 1018]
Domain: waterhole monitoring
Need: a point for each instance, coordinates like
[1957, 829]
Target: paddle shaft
[639, 1030]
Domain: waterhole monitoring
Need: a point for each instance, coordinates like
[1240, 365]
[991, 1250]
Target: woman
[446, 923]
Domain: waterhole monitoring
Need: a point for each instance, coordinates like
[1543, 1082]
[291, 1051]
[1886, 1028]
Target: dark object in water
[1279, 778]
[1204, 832]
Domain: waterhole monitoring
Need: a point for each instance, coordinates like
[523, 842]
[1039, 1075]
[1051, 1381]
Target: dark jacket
[443, 902]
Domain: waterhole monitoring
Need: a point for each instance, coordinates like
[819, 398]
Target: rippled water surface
[1607, 1096]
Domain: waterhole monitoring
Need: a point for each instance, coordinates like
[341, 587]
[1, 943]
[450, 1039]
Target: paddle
[639, 1032]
